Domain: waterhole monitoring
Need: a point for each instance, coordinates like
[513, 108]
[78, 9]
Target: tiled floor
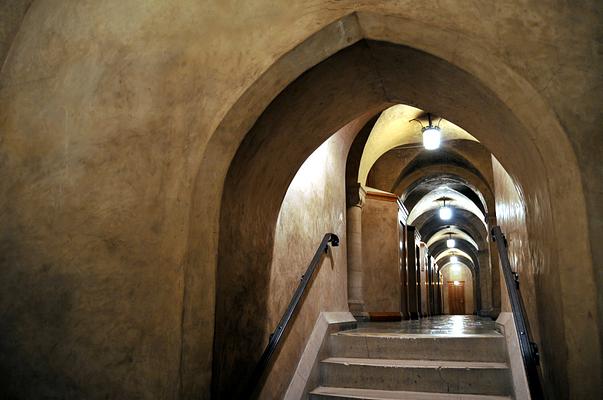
[444, 325]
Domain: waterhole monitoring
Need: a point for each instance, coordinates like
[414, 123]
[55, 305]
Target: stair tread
[396, 335]
[396, 363]
[374, 394]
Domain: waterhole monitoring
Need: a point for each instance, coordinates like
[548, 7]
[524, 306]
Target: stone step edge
[427, 364]
[374, 394]
[430, 336]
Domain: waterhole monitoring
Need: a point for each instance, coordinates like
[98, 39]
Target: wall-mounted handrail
[254, 385]
[529, 349]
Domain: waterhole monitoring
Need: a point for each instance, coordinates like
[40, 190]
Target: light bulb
[454, 259]
[445, 213]
[431, 137]
[450, 243]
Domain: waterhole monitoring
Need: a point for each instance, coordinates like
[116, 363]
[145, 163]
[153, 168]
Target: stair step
[462, 377]
[326, 393]
[487, 347]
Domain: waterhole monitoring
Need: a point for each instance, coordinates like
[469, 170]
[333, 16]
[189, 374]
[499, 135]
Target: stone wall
[120, 120]
[314, 205]
[524, 256]
[381, 253]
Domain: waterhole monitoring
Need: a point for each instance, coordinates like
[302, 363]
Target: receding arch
[431, 203]
[428, 183]
[430, 222]
[469, 256]
[519, 119]
[445, 257]
[474, 182]
[454, 233]
[448, 268]
[393, 172]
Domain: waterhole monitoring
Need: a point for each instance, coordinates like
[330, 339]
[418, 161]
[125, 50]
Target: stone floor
[443, 325]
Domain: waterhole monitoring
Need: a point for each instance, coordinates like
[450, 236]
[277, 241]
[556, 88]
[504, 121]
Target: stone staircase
[380, 365]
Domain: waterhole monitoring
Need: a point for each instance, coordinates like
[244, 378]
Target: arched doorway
[362, 78]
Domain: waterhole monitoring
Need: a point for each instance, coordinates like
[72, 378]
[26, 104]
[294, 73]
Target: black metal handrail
[257, 378]
[529, 349]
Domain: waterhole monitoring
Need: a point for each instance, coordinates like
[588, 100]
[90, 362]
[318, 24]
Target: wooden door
[456, 297]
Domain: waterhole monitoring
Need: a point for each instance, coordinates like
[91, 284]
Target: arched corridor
[169, 169]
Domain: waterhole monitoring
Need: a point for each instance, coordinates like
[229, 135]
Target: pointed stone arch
[517, 125]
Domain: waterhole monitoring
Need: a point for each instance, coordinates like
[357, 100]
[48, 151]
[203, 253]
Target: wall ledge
[306, 375]
[506, 325]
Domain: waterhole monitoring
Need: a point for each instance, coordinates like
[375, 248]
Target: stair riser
[442, 348]
[443, 380]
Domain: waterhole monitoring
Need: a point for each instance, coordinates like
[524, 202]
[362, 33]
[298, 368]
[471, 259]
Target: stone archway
[504, 99]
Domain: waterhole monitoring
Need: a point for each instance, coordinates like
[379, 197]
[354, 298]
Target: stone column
[485, 271]
[412, 275]
[355, 200]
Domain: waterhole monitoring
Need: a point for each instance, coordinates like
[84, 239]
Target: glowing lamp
[445, 213]
[431, 137]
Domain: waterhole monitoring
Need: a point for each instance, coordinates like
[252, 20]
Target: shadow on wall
[313, 205]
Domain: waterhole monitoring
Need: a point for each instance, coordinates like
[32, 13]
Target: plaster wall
[381, 254]
[450, 274]
[116, 139]
[523, 252]
[314, 205]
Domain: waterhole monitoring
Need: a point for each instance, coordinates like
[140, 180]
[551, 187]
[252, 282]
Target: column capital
[355, 195]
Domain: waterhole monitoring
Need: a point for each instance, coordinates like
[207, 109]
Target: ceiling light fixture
[432, 134]
[450, 242]
[445, 211]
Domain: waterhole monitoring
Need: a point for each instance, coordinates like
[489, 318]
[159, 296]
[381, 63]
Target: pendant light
[450, 242]
[445, 212]
[432, 134]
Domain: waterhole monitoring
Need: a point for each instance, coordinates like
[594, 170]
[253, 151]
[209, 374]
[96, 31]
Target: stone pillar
[485, 272]
[355, 200]
[412, 275]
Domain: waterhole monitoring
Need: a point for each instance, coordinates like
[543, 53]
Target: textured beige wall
[11, 16]
[380, 254]
[119, 120]
[314, 205]
[524, 253]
